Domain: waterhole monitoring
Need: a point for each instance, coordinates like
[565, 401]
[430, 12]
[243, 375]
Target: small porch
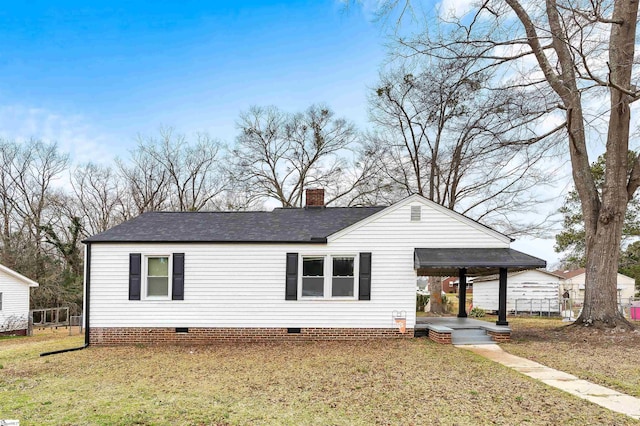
[461, 331]
[475, 262]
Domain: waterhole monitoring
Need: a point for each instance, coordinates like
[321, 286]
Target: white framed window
[343, 276]
[157, 279]
[328, 276]
[313, 276]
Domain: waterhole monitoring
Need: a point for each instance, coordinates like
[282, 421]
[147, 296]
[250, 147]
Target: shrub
[421, 301]
[477, 312]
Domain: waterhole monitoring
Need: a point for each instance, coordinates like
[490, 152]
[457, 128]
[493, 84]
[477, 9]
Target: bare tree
[29, 171]
[99, 197]
[8, 153]
[574, 52]
[195, 177]
[444, 134]
[278, 154]
[30, 203]
[146, 181]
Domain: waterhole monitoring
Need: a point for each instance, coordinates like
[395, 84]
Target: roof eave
[311, 241]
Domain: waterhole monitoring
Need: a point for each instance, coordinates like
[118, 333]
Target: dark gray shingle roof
[279, 225]
[477, 261]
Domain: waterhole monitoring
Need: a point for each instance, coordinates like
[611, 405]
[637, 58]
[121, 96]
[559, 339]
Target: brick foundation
[196, 335]
[499, 337]
[14, 333]
[444, 338]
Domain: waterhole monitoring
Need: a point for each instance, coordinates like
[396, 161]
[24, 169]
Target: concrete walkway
[597, 394]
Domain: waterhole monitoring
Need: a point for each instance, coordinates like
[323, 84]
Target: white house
[527, 291]
[299, 273]
[14, 301]
[574, 283]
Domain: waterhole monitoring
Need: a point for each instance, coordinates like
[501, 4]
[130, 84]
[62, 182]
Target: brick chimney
[315, 197]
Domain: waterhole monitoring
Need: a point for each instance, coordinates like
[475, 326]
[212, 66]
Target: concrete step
[469, 332]
[472, 342]
[471, 337]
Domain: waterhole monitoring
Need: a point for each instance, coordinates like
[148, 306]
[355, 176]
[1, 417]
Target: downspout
[87, 286]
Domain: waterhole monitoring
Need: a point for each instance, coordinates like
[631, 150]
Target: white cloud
[456, 8]
[73, 133]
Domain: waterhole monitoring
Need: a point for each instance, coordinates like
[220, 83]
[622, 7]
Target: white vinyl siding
[243, 285]
[527, 291]
[15, 302]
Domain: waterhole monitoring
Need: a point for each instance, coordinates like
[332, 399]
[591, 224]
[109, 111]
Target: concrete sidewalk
[597, 394]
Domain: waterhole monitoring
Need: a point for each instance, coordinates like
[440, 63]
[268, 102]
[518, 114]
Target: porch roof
[477, 261]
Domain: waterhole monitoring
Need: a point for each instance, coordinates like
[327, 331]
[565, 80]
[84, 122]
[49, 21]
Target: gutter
[87, 293]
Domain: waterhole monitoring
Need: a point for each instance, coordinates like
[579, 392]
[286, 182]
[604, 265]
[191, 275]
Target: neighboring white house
[312, 273]
[574, 283]
[527, 291]
[14, 301]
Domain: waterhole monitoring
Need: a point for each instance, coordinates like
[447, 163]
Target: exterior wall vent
[293, 330]
[182, 329]
[415, 213]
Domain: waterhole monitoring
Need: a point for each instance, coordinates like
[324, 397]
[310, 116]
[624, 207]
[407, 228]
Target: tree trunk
[435, 298]
[603, 239]
[600, 306]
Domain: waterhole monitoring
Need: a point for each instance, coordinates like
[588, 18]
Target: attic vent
[415, 213]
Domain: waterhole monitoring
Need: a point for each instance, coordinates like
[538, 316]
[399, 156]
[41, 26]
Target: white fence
[546, 306]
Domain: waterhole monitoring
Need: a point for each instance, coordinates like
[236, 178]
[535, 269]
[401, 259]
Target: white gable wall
[243, 285]
[392, 238]
[15, 303]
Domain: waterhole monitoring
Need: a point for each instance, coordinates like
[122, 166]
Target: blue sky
[92, 75]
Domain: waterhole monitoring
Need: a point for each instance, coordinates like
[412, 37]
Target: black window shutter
[291, 288]
[364, 281]
[135, 275]
[177, 292]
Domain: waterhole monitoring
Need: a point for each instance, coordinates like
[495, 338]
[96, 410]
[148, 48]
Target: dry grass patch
[377, 382]
[609, 358]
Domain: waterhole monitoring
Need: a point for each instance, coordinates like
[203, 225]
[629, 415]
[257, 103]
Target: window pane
[342, 287]
[313, 267]
[313, 286]
[157, 286]
[343, 266]
[159, 266]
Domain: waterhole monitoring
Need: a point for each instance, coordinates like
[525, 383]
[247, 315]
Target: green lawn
[377, 382]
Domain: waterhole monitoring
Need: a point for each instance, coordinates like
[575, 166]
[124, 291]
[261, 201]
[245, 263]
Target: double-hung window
[157, 277]
[328, 276]
[313, 276]
[343, 276]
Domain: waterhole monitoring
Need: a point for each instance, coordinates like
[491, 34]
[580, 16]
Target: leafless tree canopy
[278, 154]
[444, 132]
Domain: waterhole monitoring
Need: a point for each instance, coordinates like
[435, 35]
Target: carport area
[464, 262]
